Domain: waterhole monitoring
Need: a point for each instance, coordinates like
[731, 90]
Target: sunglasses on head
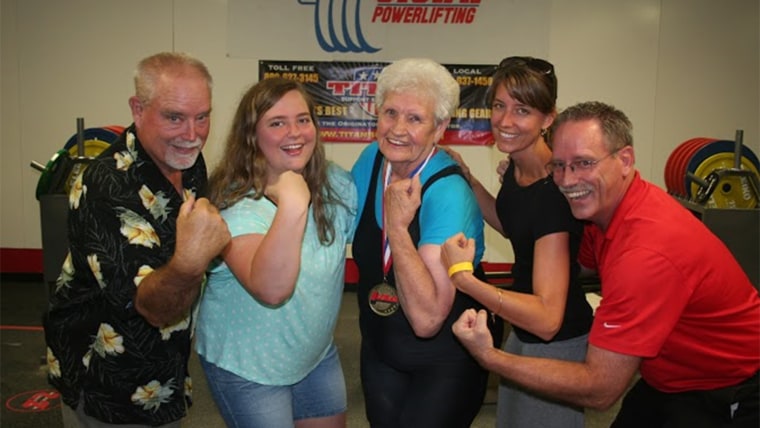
[536, 64]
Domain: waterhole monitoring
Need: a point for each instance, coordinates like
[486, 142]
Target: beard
[182, 154]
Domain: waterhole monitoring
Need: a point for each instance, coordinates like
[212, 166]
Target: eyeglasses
[581, 165]
[537, 64]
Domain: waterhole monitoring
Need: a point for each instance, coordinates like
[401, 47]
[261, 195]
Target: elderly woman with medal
[412, 197]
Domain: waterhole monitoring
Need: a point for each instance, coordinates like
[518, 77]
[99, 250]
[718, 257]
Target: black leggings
[734, 406]
[435, 395]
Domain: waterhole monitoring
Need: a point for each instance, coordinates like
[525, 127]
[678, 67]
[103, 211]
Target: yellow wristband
[460, 267]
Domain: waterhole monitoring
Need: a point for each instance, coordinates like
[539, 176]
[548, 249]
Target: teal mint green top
[278, 345]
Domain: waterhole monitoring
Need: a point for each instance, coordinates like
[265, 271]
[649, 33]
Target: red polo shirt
[673, 294]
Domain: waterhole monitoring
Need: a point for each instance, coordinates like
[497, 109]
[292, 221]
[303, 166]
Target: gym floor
[30, 402]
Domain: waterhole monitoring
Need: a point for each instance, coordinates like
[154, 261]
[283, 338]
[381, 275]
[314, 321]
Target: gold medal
[383, 299]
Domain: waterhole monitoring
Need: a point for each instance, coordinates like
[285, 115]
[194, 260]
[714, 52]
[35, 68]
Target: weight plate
[713, 148]
[680, 166]
[683, 159]
[732, 191]
[43, 183]
[682, 185]
[670, 166]
[116, 129]
[92, 148]
[102, 134]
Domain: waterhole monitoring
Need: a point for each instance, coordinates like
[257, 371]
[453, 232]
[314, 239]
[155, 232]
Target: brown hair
[616, 127]
[529, 80]
[243, 168]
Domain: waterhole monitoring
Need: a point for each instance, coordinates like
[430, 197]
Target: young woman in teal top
[265, 329]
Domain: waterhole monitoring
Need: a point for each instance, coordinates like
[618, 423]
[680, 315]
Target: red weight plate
[671, 164]
[116, 129]
[684, 160]
[669, 167]
[677, 172]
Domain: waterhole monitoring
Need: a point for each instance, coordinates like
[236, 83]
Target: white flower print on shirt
[152, 395]
[137, 230]
[156, 204]
[77, 191]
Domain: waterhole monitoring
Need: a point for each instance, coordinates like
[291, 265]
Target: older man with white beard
[141, 235]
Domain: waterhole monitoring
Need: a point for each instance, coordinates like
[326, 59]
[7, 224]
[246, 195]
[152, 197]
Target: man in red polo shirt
[677, 307]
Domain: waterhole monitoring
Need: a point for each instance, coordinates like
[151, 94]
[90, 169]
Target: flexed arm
[268, 264]
[166, 294]
[541, 312]
[598, 382]
[424, 289]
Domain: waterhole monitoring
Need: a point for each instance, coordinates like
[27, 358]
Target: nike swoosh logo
[608, 325]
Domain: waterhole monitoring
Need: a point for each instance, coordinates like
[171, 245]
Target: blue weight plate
[102, 134]
[713, 148]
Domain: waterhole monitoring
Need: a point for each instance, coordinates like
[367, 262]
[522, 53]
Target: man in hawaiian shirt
[120, 322]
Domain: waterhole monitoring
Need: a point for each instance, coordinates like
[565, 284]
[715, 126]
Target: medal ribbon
[387, 257]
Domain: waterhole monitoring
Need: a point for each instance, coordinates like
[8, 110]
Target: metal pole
[738, 149]
[80, 137]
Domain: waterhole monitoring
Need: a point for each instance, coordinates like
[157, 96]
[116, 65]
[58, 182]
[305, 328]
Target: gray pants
[78, 419]
[519, 408]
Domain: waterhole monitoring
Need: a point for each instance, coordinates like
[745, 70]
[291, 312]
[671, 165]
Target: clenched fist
[202, 233]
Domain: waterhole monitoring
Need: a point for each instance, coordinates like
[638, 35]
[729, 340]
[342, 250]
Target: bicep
[431, 258]
[239, 254]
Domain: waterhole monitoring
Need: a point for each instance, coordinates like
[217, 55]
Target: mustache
[187, 144]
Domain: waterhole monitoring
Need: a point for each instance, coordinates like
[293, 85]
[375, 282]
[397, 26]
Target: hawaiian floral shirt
[122, 215]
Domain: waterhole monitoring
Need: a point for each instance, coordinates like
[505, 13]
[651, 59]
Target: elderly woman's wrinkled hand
[401, 201]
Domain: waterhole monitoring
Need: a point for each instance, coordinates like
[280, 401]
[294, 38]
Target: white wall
[679, 68]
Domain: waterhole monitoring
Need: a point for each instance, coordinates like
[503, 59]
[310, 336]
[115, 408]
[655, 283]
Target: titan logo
[338, 24]
[360, 89]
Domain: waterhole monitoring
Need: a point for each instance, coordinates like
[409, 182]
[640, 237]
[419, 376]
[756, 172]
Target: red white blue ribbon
[387, 256]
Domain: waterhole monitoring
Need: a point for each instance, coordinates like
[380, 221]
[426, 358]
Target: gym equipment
[63, 168]
[724, 185]
[675, 167]
[718, 181]
[56, 179]
[107, 134]
[52, 172]
[723, 174]
[714, 173]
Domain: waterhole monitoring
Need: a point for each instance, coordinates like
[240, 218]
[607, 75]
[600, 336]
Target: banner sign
[344, 95]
